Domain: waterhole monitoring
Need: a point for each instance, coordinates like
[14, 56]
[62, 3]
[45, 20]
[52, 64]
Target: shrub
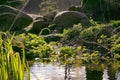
[115, 47]
[35, 46]
[72, 32]
[67, 55]
[91, 32]
[93, 57]
[115, 23]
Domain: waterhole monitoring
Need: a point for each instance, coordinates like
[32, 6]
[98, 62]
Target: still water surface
[40, 71]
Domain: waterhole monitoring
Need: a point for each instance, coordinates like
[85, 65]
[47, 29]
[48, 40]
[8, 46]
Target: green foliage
[92, 22]
[67, 50]
[91, 32]
[116, 46]
[48, 6]
[93, 57]
[35, 46]
[98, 37]
[66, 55]
[81, 49]
[115, 23]
[102, 39]
[116, 49]
[11, 65]
[72, 32]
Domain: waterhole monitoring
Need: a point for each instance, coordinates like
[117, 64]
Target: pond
[41, 71]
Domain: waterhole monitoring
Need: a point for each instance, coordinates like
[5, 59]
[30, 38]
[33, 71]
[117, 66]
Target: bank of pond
[95, 50]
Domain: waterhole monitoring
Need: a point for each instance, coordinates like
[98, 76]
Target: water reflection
[105, 75]
[74, 73]
[93, 75]
[117, 75]
[40, 71]
[111, 74]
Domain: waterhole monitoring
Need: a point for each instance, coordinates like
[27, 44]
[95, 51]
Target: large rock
[38, 26]
[33, 7]
[13, 19]
[66, 19]
[42, 22]
[6, 20]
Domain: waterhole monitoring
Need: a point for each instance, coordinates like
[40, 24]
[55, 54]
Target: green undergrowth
[99, 42]
[35, 46]
[95, 44]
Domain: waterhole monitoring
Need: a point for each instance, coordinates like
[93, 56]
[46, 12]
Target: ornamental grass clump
[12, 67]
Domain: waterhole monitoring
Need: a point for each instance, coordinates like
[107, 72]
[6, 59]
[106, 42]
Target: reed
[12, 67]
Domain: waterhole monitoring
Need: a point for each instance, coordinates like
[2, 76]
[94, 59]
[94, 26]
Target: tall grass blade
[12, 67]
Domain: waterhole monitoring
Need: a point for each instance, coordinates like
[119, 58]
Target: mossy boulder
[38, 26]
[13, 19]
[66, 19]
